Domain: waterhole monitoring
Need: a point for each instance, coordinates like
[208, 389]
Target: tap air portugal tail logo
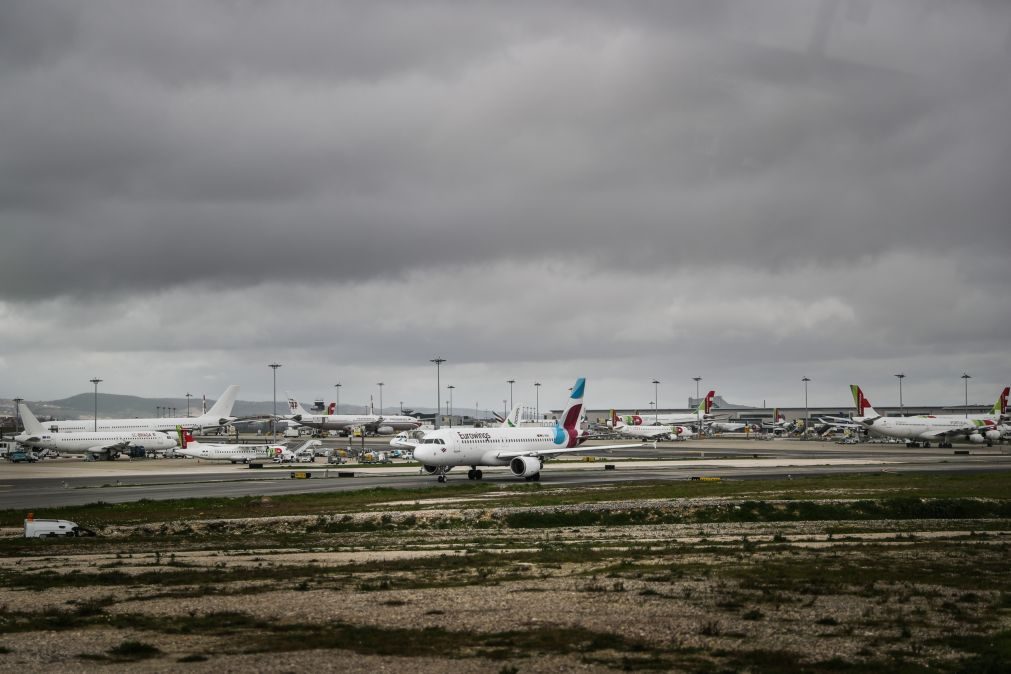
[567, 430]
[332, 408]
[709, 401]
[1000, 407]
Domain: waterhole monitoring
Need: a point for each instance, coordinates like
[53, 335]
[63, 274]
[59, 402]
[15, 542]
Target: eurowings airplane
[374, 423]
[522, 449]
[225, 452]
[106, 444]
[925, 429]
[217, 416]
[654, 432]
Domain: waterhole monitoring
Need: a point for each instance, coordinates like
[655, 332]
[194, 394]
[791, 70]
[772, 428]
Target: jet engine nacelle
[992, 436]
[977, 439]
[223, 422]
[385, 430]
[430, 469]
[525, 466]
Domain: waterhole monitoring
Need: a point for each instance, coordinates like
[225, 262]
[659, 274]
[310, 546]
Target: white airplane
[700, 414]
[522, 449]
[224, 452]
[727, 426]
[655, 432]
[215, 417]
[106, 444]
[778, 425]
[922, 430]
[373, 423]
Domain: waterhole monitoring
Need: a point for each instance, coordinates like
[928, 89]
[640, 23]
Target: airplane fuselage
[927, 429]
[85, 442]
[233, 453]
[346, 422]
[488, 446]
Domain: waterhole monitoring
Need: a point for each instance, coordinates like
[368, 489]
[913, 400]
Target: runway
[70, 482]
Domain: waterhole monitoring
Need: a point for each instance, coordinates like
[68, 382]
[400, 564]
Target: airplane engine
[385, 430]
[992, 436]
[977, 439]
[525, 466]
[430, 469]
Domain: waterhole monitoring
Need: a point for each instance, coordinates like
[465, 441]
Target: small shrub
[710, 629]
[134, 650]
[753, 614]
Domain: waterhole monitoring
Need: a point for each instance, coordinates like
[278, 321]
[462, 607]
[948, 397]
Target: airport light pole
[380, 385]
[510, 382]
[188, 396]
[451, 387]
[806, 414]
[900, 377]
[17, 413]
[537, 393]
[96, 381]
[966, 378]
[157, 411]
[656, 397]
[337, 404]
[273, 421]
[438, 390]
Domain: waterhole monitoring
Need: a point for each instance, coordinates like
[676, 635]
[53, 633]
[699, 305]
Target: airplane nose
[422, 454]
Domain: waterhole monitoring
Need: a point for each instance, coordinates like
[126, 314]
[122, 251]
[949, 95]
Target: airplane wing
[945, 433]
[114, 447]
[563, 450]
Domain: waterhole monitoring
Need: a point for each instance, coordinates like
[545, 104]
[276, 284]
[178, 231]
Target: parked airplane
[106, 444]
[372, 423]
[696, 417]
[727, 426]
[922, 430]
[224, 452]
[652, 432]
[216, 417]
[778, 425]
[522, 449]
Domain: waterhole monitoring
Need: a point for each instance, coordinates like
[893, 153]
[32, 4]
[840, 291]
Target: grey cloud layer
[821, 185]
[393, 137]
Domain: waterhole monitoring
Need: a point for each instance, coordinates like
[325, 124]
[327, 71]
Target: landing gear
[474, 474]
[926, 445]
[441, 478]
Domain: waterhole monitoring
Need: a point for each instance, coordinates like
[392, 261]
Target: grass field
[869, 573]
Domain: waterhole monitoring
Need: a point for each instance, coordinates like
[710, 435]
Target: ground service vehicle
[52, 528]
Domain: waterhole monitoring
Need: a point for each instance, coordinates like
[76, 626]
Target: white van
[51, 528]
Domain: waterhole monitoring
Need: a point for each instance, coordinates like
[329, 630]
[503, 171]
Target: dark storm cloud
[399, 135]
[754, 190]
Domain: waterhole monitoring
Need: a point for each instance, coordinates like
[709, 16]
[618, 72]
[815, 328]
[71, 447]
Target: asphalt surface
[73, 482]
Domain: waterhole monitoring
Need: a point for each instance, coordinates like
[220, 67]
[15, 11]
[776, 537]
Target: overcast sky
[750, 191]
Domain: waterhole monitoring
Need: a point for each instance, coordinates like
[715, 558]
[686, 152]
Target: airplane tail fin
[30, 422]
[185, 437]
[1000, 407]
[223, 405]
[295, 408]
[574, 412]
[863, 405]
[513, 420]
[706, 406]
[332, 408]
[616, 421]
